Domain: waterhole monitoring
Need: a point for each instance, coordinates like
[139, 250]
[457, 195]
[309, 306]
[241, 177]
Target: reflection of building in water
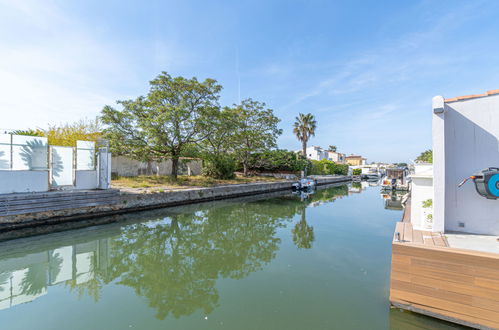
[358, 187]
[393, 200]
[23, 279]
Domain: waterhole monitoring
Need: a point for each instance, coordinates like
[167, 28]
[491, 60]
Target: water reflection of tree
[175, 264]
[303, 234]
[175, 261]
[35, 280]
[4, 278]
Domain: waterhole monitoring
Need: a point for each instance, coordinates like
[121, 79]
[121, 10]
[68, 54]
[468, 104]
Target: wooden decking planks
[411, 235]
[406, 217]
[17, 204]
[431, 278]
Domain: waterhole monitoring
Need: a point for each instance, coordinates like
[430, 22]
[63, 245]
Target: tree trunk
[149, 167]
[245, 169]
[304, 148]
[174, 167]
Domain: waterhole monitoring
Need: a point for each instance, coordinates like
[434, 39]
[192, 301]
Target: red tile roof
[466, 97]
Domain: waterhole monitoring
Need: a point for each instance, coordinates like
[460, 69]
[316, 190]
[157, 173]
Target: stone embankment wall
[129, 201]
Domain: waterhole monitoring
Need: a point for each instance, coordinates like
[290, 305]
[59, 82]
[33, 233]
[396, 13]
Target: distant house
[318, 153]
[355, 160]
[336, 157]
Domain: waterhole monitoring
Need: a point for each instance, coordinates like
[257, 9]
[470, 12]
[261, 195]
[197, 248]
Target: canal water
[277, 261]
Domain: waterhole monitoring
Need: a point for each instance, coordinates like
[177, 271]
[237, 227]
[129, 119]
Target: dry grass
[162, 183]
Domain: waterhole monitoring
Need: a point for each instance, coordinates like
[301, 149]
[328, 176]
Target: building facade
[465, 141]
[319, 153]
[355, 160]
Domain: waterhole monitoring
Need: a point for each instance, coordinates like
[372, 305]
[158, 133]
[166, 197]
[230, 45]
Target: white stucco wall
[23, 181]
[124, 166]
[465, 140]
[421, 190]
[86, 180]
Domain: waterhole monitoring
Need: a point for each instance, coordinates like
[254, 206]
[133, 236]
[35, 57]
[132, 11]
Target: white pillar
[438, 133]
[104, 168]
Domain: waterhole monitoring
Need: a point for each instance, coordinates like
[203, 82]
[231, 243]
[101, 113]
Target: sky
[367, 70]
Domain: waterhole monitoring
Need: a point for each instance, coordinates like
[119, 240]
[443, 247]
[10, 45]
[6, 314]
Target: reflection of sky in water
[248, 263]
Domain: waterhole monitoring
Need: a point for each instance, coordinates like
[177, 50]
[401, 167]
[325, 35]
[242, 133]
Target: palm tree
[304, 128]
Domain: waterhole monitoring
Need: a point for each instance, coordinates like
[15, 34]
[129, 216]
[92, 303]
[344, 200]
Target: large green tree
[256, 130]
[174, 115]
[304, 127]
[217, 150]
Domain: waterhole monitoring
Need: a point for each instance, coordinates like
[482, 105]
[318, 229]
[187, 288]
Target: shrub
[278, 160]
[220, 167]
[356, 171]
[328, 167]
[341, 169]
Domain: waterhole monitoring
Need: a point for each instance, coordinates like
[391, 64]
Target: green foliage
[332, 148]
[341, 169]
[220, 167]
[175, 114]
[30, 132]
[428, 203]
[356, 171]
[278, 161]
[426, 157]
[67, 134]
[256, 130]
[304, 127]
[327, 167]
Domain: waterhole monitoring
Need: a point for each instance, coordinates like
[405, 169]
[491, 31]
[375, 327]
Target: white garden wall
[23, 181]
[465, 140]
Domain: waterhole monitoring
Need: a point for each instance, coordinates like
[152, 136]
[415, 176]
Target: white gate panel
[61, 166]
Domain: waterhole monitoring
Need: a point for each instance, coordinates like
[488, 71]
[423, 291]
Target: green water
[264, 262]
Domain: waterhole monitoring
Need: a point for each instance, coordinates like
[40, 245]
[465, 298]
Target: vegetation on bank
[182, 117]
[66, 135]
[162, 183]
[327, 167]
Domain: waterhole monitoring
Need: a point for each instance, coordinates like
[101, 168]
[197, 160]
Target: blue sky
[366, 69]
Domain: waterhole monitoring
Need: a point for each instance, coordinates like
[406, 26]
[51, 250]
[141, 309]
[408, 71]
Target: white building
[465, 141]
[318, 153]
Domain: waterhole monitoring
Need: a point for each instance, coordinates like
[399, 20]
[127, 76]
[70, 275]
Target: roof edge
[473, 96]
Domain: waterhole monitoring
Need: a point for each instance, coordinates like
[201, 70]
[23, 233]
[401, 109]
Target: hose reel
[486, 182]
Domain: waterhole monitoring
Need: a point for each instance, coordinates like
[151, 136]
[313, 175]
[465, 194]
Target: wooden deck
[429, 277]
[410, 235]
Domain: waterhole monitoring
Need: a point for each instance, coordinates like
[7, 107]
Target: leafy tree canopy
[256, 130]
[175, 114]
[426, 157]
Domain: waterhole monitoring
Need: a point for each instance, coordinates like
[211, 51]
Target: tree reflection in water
[175, 261]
